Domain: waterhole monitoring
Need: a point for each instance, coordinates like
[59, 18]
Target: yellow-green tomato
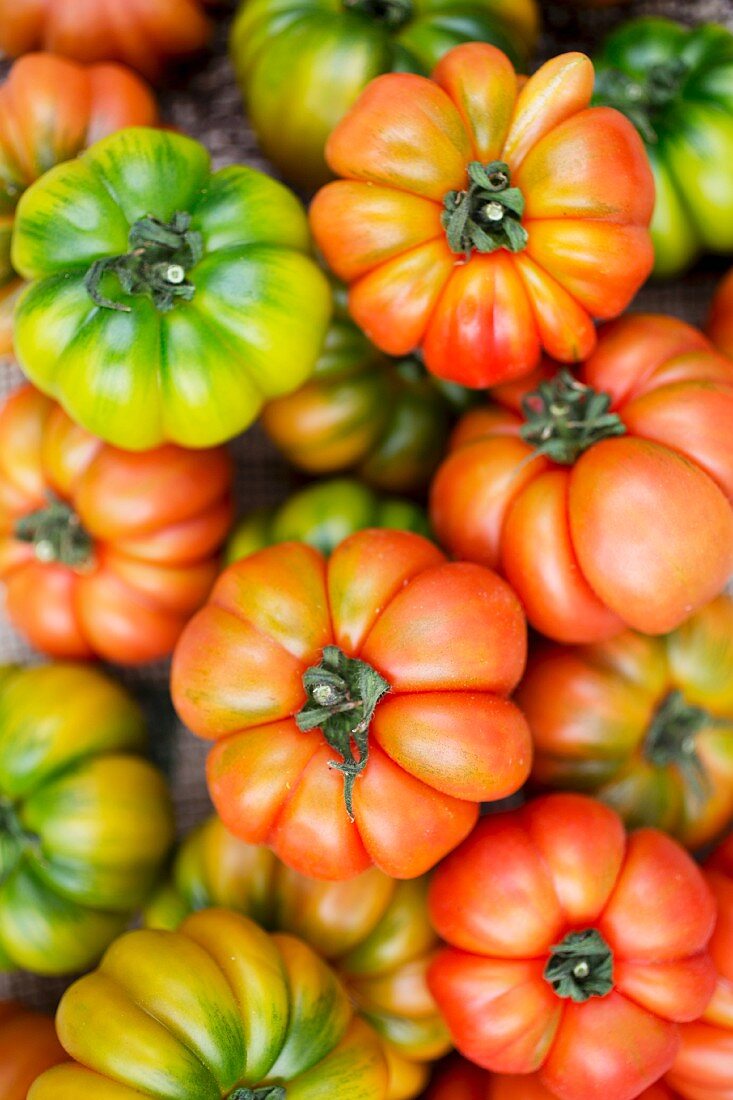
[167, 302]
[85, 820]
[218, 1009]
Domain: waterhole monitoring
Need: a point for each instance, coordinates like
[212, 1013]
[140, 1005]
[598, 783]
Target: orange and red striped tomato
[485, 276]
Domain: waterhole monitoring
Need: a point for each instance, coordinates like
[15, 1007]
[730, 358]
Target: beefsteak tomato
[216, 1010]
[103, 552]
[185, 300]
[482, 219]
[605, 498]
[675, 83]
[720, 321]
[461, 1080]
[645, 724]
[51, 109]
[144, 34]
[575, 951]
[374, 931]
[323, 515]
[28, 1046]
[358, 703]
[302, 64]
[85, 821]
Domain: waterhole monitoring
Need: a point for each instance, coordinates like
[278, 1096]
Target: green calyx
[671, 740]
[391, 13]
[161, 255]
[488, 215]
[643, 100]
[581, 966]
[564, 417]
[343, 693]
[266, 1092]
[57, 535]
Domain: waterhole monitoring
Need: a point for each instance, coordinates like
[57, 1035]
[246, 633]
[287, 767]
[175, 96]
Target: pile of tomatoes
[511, 585]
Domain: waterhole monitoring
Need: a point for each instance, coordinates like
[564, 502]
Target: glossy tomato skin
[154, 522]
[618, 720]
[449, 639]
[51, 109]
[28, 1046]
[199, 1012]
[578, 542]
[302, 65]
[720, 321]
[687, 128]
[360, 411]
[85, 821]
[374, 931]
[146, 38]
[483, 317]
[516, 891]
[323, 515]
[196, 367]
[461, 1080]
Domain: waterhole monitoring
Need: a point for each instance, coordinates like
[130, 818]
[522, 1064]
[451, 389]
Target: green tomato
[323, 515]
[302, 64]
[676, 85]
[167, 303]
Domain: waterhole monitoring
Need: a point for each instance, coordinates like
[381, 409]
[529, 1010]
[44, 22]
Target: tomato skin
[156, 522]
[720, 321]
[148, 40]
[85, 821]
[521, 883]
[190, 359]
[302, 65]
[599, 569]
[460, 1080]
[374, 931]
[405, 148]
[688, 130]
[449, 638]
[216, 1005]
[28, 1046]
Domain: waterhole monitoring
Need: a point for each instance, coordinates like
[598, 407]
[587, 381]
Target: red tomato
[574, 950]
[605, 499]
[461, 1080]
[720, 321]
[103, 552]
[358, 703]
[28, 1046]
[484, 218]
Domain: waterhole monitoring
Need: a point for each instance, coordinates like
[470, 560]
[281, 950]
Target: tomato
[85, 821]
[186, 301]
[302, 64]
[323, 515]
[574, 950]
[623, 519]
[703, 1068]
[720, 321]
[484, 219]
[461, 1080]
[217, 1009]
[642, 723]
[385, 420]
[51, 109]
[373, 930]
[358, 704]
[675, 84]
[145, 36]
[103, 552]
[28, 1046]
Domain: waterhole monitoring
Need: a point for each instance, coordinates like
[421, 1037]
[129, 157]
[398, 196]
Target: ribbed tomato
[28, 1046]
[358, 703]
[720, 321]
[605, 498]
[103, 552]
[484, 219]
[575, 951]
[461, 1080]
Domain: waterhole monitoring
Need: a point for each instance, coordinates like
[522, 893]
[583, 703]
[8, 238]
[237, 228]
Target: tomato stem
[265, 1092]
[486, 216]
[57, 535]
[343, 693]
[393, 13]
[563, 417]
[581, 966]
[642, 100]
[671, 740]
[161, 254]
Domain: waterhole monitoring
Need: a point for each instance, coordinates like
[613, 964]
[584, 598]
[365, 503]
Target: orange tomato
[28, 1047]
[720, 321]
[605, 499]
[484, 219]
[104, 552]
[461, 1080]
